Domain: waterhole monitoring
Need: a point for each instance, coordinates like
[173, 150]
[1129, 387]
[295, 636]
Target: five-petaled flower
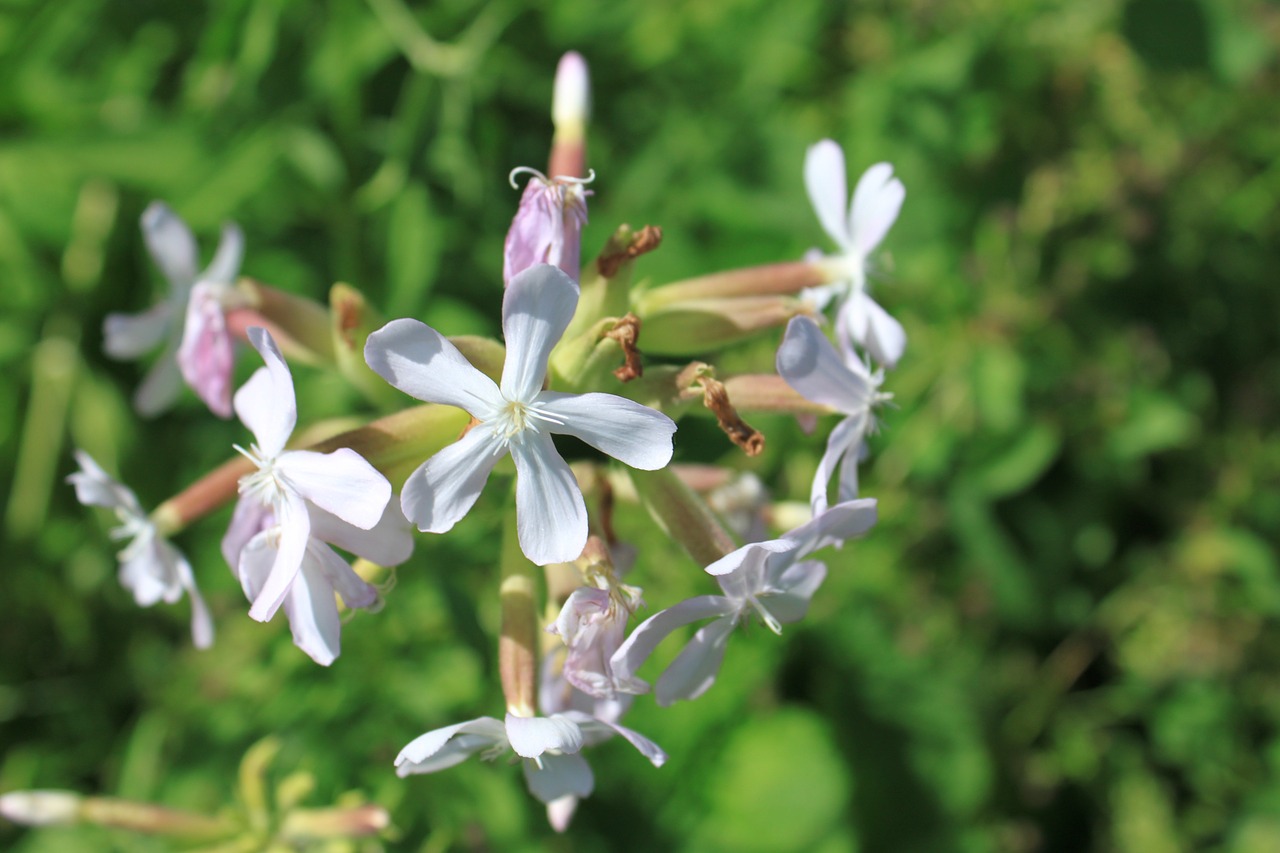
[190, 322]
[295, 501]
[553, 769]
[769, 579]
[876, 201]
[150, 567]
[515, 417]
[809, 363]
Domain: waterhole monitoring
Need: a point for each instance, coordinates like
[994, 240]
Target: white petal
[845, 438]
[445, 487]
[885, 338]
[824, 178]
[294, 529]
[147, 570]
[341, 482]
[753, 553]
[551, 518]
[313, 613]
[256, 559]
[635, 650]
[633, 434]
[648, 748]
[536, 309]
[266, 403]
[843, 521]
[339, 576]
[170, 243]
[95, 487]
[160, 387]
[796, 587]
[560, 811]
[430, 752]
[532, 736]
[388, 543]
[559, 776]
[694, 670]
[809, 363]
[248, 519]
[129, 336]
[225, 265]
[876, 202]
[201, 618]
[421, 362]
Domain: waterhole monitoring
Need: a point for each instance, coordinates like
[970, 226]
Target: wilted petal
[635, 650]
[809, 363]
[559, 776]
[536, 309]
[266, 403]
[206, 354]
[824, 178]
[530, 737]
[694, 670]
[551, 518]
[536, 230]
[130, 336]
[421, 362]
[876, 201]
[341, 482]
[445, 747]
[293, 529]
[388, 543]
[445, 487]
[633, 434]
[170, 243]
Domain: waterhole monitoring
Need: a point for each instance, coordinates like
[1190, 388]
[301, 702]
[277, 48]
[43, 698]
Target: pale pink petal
[225, 265]
[341, 482]
[313, 613]
[809, 363]
[442, 748]
[694, 670]
[559, 776]
[536, 230]
[536, 309]
[530, 737]
[206, 354]
[294, 529]
[248, 519]
[170, 243]
[876, 201]
[551, 518]
[445, 487]
[130, 336]
[845, 439]
[421, 362]
[636, 649]
[634, 434]
[160, 387]
[388, 543]
[824, 178]
[266, 403]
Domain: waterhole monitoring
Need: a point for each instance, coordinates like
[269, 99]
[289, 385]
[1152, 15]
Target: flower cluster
[570, 669]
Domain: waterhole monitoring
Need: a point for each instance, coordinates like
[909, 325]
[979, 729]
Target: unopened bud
[703, 325]
[41, 808]
[317, 824]
[571, 98]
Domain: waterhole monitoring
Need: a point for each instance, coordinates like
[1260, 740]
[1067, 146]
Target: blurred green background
[1062, 634]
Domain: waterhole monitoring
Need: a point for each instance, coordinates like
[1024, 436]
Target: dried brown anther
[627, 333]
[643, 241]
[716, 398]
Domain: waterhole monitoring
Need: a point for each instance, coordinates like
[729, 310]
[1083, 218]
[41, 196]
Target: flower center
[765, 616]
[266, 484]
[516, 416]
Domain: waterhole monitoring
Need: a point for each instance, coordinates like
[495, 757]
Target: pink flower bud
[547, 228]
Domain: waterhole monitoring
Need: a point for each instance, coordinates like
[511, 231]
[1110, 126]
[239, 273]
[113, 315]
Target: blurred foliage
[1062, 634]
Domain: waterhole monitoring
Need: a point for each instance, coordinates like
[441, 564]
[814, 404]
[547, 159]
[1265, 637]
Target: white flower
[768, 579]
[151, 568]
[130, 336]
[810, 364]
[876, 201]
[282, 497]
[553, 769]
[516, 417]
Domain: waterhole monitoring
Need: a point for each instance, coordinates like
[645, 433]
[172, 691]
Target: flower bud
[41, 808]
